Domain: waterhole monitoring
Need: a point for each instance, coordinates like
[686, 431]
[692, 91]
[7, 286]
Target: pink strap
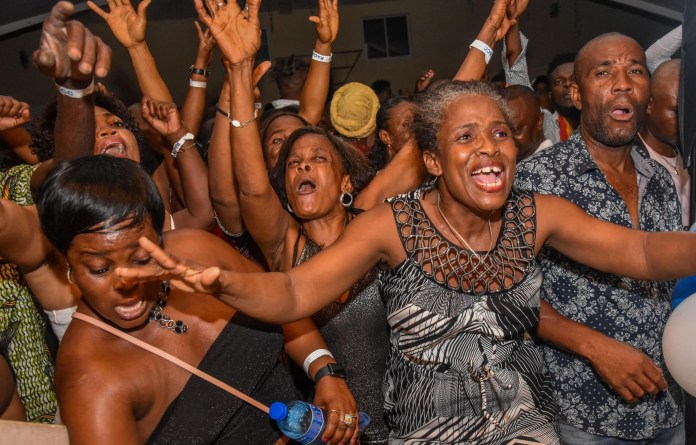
[171, 358]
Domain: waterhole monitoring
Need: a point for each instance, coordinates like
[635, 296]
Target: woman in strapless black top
[93, 211]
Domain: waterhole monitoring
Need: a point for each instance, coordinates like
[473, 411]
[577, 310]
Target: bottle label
[315, 428]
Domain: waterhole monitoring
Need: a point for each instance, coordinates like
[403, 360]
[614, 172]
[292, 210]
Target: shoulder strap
[180, 363]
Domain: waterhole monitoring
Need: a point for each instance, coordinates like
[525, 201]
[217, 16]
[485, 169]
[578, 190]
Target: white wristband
[485, 49]
[181, 142]
[313, 356]
[197, 84]
[76, 94]
[321, 58]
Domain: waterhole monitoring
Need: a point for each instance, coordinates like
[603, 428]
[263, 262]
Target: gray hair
[431, 106]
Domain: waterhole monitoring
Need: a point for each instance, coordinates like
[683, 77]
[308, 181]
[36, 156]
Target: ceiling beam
[28, 22]
[653, 8]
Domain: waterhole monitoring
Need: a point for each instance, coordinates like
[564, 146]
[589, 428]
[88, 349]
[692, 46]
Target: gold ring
[333, 411]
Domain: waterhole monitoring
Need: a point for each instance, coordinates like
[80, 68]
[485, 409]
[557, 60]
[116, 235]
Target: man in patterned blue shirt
[603, 332]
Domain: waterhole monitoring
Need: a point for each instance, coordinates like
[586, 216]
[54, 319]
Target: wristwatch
[199, 71]
[332, 369]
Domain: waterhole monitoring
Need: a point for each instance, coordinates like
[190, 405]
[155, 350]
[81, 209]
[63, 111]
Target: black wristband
[200, 71]
[332, 369]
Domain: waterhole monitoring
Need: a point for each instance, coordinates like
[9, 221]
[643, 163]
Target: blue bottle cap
[364, 420]
[278, 411]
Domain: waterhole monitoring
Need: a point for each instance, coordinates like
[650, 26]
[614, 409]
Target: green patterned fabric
[22, 327]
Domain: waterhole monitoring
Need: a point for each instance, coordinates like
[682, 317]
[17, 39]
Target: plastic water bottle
[304, 422]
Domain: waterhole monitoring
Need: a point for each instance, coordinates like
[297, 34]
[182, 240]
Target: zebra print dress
[462, 367]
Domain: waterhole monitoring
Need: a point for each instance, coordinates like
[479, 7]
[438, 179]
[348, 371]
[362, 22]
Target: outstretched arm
[277, 297]
[493, 30]
[164, 117]
[71, 55]
[316, 87]
[655, 256]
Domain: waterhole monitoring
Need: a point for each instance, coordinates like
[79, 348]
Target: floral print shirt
[632, 311]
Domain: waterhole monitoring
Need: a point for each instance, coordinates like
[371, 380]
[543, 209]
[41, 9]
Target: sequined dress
[358, 336]
[462, 367]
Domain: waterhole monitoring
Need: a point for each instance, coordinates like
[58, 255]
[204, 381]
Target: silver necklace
[165, 321]
[461, 238]
[676, 161]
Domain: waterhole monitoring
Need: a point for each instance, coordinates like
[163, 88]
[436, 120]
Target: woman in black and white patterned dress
[460, 280]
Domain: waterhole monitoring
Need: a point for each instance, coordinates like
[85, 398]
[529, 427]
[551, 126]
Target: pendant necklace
[676, 161]
[461, 238]
[165, 321]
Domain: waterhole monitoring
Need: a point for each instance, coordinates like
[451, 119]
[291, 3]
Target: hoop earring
[67, 274]
[287, 206]
[346, 199]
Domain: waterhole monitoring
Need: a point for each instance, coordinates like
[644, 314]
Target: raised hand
[516, 8]
[237, 31]
[424, 80]
[163, 117]
[127, 25]
[68, 50]
[326, 22]
[182, 275]
[206, 45]
[13, 113]
[628, 371]
[498, 22]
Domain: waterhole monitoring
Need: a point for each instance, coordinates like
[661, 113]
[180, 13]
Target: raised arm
[128, 26]
[239, 37]
[663, 49]
[515, 47]
[71, 55]
[13, 115]
[316, 87]
[165, 118]
[194, 104]
[21, 240]
[493, 31]
[222, 184]
[405, 172]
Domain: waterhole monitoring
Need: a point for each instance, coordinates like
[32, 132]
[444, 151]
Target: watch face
[336, 370]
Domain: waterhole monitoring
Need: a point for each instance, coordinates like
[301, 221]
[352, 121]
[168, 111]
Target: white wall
[441, 31]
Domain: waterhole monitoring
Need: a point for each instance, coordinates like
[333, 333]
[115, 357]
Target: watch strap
[199, 71]
[332, 369]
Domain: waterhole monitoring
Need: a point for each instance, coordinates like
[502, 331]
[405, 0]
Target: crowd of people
[485, 262]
